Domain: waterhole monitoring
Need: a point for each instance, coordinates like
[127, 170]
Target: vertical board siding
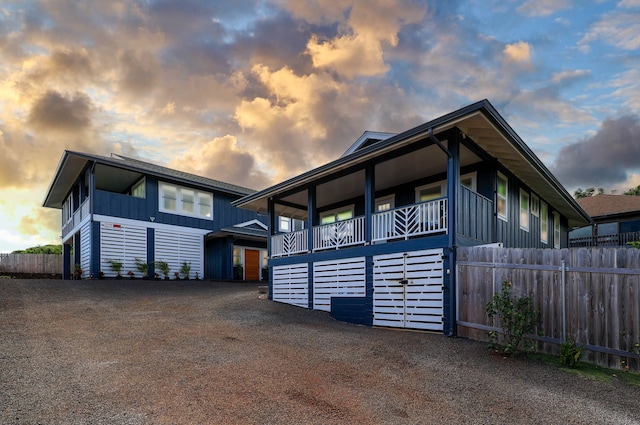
[31, 263]
[85, 250]
[418, 302]
[337, 278]
[124, 243]
[291, 284]
[602, 296]
[175, 248]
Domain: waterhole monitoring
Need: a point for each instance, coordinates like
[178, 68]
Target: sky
[252, 92]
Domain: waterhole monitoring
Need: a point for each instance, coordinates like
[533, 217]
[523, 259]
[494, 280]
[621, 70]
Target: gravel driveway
[146, 352]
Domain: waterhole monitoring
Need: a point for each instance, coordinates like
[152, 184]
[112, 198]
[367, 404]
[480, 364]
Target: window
[556, 230]
[535, 205]
[544, 223]
[385, 203]
[524, 210]
[180, 200]
[138, 189]
[501, 194]
[339, 214]
[237, 257]
[67, 209]
[469, 181]
[430, 192]
[285, 224]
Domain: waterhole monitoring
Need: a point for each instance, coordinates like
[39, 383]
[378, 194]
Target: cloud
[55, 111]
[565, 77]
[541, 8]
[604, 160]
[223, 159]
[518, 52]
[621, 30]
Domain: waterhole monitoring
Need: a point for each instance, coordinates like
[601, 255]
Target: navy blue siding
[95, 248]
[151, 251]
[358, 310]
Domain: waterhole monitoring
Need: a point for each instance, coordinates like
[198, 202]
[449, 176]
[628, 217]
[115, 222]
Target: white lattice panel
[175, 247]
[124, 243]
[291, 284]
[337, 278]
[407, 289]
[85, 249]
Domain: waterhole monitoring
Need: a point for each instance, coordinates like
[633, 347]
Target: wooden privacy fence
[601, 309]
[31, 263]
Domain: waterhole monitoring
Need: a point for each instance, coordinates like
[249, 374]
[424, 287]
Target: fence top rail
[551, 267]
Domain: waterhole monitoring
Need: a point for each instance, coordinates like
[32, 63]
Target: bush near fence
[31, 265]
[602, 297]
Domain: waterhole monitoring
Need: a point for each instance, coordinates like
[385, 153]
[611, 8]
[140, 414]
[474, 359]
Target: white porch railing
[76, 219]
[418, 219]
[339, 234]
[289, 243]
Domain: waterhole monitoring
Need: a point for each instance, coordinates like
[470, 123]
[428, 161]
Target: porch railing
[339, 234]
[620, 239]
[286, 244]
[419, 219]
[76, 219]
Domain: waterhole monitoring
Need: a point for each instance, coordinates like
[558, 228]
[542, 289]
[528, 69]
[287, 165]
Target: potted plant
[77, 272]
[143, 268]
[116, 266]
[197, 277]
[163, 266]
[238, 272]
[177, 275]
[100, 275]
[156, 276]
[185, 268]
[131, 274]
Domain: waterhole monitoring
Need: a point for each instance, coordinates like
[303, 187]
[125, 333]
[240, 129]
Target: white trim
[149, 224]
[197, 195]
[535, 202]
[544, 218]
[474, 180]
[335, 212]
[365, 136]
[524, 226]
[391, 199]
[557, 230]
[251, 222]
[504, 216]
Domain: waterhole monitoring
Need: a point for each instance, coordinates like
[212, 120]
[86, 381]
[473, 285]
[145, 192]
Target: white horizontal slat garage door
[291, 284]
[123, 243]
[337, 278]
[407, 290]
[175, 248]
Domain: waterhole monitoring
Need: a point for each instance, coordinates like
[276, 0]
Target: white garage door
[291, 284]
[337, 278]
[175, 248]
[123, 243]
[407, 290]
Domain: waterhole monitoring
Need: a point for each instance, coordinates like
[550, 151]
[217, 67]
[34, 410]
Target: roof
[73, 163]
[484, 125]
[606, 205]
[251, 230]
[367, 138]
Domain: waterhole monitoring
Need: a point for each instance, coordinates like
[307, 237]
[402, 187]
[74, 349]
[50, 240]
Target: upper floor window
[502, 195]
[535, 205]
[181, 200]
[67, 209]
[432, 191]
[544, 223]
[556, 230]
[524, 210]
[138, 189]
[385, 203]
[339, 214]
[469, 181]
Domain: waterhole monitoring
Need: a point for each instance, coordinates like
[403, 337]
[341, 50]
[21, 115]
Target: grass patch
[590, 371]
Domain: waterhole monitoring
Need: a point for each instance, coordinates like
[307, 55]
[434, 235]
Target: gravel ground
[146, 352]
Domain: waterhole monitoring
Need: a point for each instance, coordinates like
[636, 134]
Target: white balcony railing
[418, 219]
[76, 219]
[339, 234]
[289, 243]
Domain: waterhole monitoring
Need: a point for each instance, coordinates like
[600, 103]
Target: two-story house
[119, 209]
[382, 222]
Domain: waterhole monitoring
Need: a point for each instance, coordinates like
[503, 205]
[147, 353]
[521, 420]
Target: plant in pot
[116, 266]
[77, 272]
[185, 269]
[163, 266]
[143, 268]
[176, 275]
[131, 274]
[238, 272]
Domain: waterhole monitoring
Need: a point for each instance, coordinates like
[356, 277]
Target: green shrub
[570, 353]
[516, 317]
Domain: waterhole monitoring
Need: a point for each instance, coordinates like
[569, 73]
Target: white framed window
[182, 200]
[469, 181]
[385, 203]
[502, 194]
[556, 229]
[524, 210]
[138, 189]
[338, 214]
[284, 224]
[67, 209]
[544, 223]
[431, 191]
[535, 205]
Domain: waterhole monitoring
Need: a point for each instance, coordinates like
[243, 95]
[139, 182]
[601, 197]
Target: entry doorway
[252, 264]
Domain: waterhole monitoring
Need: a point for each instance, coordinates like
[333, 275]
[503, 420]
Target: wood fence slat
[31, 263]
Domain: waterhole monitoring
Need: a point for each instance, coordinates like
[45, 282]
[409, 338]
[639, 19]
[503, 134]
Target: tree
[633, 192]
[44, 249]
[579, 193]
